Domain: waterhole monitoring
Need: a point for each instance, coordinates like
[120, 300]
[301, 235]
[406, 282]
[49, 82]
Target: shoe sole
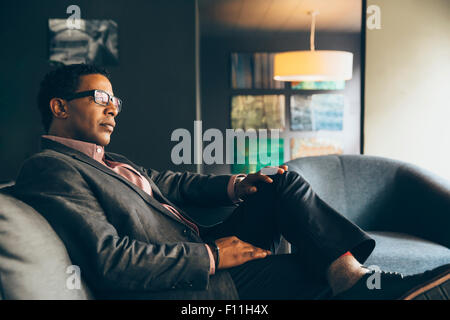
[437, 288]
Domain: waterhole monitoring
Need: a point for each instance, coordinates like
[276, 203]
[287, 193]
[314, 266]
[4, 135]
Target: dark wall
[215, 74]
[155, 76]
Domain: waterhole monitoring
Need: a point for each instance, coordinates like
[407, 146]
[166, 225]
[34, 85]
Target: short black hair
[61, 82]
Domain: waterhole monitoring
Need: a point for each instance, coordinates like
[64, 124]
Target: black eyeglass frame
[91, 93]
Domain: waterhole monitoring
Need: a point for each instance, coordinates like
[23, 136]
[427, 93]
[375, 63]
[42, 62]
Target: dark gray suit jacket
[125, 242]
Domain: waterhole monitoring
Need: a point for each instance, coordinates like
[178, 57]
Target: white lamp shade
[321, 65]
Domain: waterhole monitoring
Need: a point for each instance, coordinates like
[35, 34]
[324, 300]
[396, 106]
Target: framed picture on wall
[253, 71]
[93, 41]
[258, 112]
[315, 146]
[317, 112]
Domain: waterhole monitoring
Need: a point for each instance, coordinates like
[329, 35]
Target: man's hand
[234, 252]
[248, 185]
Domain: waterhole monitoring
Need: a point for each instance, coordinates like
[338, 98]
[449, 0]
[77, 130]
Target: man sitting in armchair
[124, 226]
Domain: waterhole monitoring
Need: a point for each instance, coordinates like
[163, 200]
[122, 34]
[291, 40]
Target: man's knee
[287, 178]
[282, 183]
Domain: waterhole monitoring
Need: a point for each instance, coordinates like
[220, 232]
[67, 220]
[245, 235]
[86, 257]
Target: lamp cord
[313, 29]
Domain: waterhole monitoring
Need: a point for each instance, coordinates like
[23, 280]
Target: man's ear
[58, 107]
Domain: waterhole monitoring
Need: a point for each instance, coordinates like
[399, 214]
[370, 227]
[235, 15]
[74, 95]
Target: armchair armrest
[423, 204]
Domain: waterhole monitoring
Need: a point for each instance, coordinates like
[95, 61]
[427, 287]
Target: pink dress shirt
[97, 152]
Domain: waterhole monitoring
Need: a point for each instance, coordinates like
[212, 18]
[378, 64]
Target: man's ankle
[344, 273]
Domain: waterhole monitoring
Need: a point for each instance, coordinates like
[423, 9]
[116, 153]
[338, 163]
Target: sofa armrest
[423, 204]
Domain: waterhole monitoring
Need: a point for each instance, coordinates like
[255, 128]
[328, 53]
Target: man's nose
[111, 109]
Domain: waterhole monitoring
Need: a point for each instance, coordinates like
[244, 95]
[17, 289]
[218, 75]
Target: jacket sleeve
[193, 189]
[57, 190]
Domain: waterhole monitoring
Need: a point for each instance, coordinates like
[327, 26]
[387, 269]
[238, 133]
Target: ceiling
[232, 17]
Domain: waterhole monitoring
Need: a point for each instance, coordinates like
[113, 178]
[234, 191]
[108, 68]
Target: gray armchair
[406, 210]
[403, 207]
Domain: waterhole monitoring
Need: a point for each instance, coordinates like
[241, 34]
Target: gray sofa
[406, 209]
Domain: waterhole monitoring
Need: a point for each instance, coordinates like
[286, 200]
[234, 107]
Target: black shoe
[430, 285]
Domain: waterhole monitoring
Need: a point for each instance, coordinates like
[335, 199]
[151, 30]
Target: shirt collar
[92, 150]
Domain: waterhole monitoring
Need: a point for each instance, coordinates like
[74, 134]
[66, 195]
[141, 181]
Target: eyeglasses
[100, 97]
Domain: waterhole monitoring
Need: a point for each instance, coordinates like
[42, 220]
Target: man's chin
[104, 141]
[101, 139]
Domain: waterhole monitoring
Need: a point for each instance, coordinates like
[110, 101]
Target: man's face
[87, 120]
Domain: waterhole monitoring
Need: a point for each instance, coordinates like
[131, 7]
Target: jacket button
[185, 231]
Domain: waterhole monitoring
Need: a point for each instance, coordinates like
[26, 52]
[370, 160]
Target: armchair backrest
[359, 187]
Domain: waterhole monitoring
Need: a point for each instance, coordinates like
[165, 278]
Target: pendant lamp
[312, 65]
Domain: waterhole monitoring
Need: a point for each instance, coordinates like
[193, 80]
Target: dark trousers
[320, 235]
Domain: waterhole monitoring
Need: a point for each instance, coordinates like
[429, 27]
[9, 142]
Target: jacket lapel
[155, 190]
[49, 144]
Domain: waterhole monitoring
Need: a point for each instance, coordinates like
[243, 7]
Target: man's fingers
[270, 170]
[261, 253]
[256, 251]
[263, 178]
[234, 252]
[267, 179]
[282, 169]
[256, 254]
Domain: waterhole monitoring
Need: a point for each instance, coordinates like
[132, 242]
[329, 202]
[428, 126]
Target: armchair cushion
[406, 254]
